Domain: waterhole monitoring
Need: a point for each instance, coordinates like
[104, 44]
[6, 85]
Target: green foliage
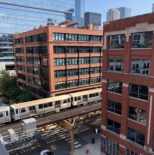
[5, 81]
[9, 88]
[25, 96]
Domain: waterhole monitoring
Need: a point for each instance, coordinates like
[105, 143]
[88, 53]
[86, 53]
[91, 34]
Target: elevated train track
[52, 118]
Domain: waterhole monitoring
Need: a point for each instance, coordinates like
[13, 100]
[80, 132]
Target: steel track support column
[69, 127]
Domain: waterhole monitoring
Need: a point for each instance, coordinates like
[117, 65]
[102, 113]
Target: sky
[102, 6]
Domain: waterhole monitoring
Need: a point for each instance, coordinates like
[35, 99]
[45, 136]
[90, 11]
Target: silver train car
[52, 104]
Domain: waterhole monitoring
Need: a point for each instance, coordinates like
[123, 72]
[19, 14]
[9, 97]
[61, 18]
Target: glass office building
[124, 12]
[79, 12]
[18, 16]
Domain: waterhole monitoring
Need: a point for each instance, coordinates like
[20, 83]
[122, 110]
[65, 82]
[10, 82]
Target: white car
[46, 152]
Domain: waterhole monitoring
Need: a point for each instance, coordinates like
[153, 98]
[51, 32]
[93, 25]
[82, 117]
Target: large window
[21, 68]
[76, 37]
[36, 38]
[112, 147]
[139, 91]
[142, 40]
[136, 136]
[33, 60]
[130, 152]
[115, 86]
[96, 60]
[19, 50]
[21, 76]
[116, 64]
[75, 83]
[117, 41]
[19, 41]
[140, 66]
[76, 49]
[20, 59]
[137, 114]
[113, 126]
[114, 106]
[72, 61]
[60, 74]
[59, 62]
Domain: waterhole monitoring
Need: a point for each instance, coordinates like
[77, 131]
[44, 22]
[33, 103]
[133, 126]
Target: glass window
[112, 147]
[117, 41]
[23, 110]
[130, 152]
[41, 106]
[136, 136]
[113, 126]
[137, 114]
[114, 107]
[116, 64]
[59, 62]
[139, 91]
[142, 40]
[1, 115]
[115, 86]
[140, 66]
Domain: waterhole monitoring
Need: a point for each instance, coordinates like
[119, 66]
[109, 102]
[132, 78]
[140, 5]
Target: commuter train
[19, 111]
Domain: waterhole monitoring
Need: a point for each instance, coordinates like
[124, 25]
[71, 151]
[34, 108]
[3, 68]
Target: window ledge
[145, 75]
[136, 121]
[140, 48]
[113, 113]
[133, 143]
[118, 135]
[114, 71]
[116, 49]
[138, 99]
[114, 93]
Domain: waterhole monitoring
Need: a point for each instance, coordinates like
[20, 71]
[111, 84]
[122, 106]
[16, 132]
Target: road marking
[75, 143]
[77, 146]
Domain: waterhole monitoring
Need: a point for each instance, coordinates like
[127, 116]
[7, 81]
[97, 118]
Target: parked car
[46, 152]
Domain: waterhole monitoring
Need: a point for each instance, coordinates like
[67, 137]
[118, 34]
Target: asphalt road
[55, 140]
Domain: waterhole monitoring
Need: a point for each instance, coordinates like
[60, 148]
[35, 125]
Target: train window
[41, 106]
[68, 100]
[91, 95]
[79, 98]
[97, 94]
[65, 101]
[50, 104]
[57, 102]
[1, 115]
[46, 105]
[6, 113]
[16, 111]
[75, 98]
[94, 95]
[23, 110]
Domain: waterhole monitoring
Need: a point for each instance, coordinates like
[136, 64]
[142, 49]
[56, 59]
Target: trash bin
[93, 140]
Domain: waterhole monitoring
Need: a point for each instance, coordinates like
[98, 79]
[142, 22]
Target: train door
[32, 110]
[85, 98]
[57, 104]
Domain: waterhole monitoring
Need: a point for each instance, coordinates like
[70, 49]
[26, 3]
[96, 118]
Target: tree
[25, 96]
[5, 81]
[14, 92]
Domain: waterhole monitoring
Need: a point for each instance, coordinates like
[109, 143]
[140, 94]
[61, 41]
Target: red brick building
[55, 60]
[128, 86]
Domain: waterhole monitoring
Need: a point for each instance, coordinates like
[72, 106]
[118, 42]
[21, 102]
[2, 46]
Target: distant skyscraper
[153, 8]
[79, 12]
[113, 14]
[92, 18]
[124, 12]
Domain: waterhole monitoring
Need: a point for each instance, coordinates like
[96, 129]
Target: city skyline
[101, 7]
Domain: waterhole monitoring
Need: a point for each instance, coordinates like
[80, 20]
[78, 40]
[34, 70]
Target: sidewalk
[94, 149]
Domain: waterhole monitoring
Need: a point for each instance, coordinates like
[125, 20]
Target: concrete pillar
[127, 53]
[124, 110]
[149, 122]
